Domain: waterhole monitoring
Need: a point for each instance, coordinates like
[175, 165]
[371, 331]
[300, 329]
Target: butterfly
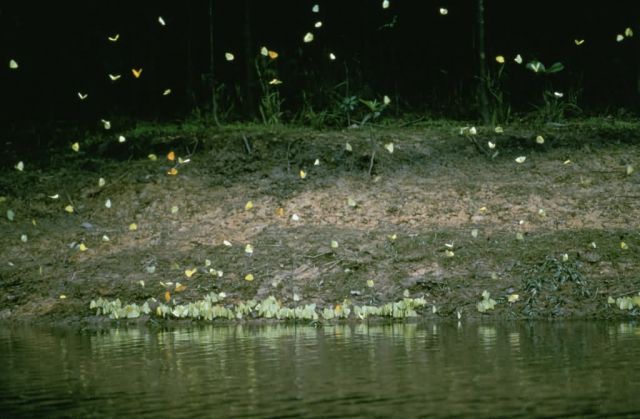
[308, 37]
[521, 159]
[13, 64]
[385, 4]
[114, 38]
[318, 24]
[166, 92]
[500, 59]
[273, 55]
[161, 21]
[171, 156]
[82, 96]
[229, 56]
[136, 73]
[332, 56]
[114, 77]
[578, 42]
[275, 82]
[303, 174]
[315, 8]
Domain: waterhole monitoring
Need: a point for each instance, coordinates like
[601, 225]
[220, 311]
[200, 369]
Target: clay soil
[549, 230]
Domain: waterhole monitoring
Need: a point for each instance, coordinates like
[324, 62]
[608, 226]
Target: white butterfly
[114, 77]
[82, 96]
[308, 37]
[161, 21]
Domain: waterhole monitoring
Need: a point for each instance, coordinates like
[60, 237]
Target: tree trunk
[482, 64]
[214, 101]
[249, 102]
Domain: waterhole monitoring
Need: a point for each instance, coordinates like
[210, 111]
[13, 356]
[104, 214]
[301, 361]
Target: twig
[246, 144]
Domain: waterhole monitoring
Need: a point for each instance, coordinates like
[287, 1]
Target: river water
[582, 369]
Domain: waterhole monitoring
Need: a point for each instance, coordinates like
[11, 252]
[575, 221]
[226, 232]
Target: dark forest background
[424, 61]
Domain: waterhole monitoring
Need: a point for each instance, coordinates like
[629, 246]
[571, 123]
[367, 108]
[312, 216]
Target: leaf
[555, 68]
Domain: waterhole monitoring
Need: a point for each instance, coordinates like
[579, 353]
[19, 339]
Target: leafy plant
[270, 106]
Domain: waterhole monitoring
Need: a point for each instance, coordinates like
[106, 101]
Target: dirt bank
[554, 236]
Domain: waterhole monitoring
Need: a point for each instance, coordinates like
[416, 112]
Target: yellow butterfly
[273, 55]
[173, 171]
[136, 73]
[500, 59]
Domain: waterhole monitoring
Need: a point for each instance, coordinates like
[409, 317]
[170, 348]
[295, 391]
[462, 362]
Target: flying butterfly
[136, 73]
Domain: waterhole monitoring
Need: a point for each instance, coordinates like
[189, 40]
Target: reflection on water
[400, 370]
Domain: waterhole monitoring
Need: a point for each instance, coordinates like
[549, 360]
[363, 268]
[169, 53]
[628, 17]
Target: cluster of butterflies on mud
[486, 303]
